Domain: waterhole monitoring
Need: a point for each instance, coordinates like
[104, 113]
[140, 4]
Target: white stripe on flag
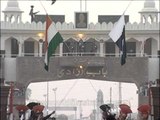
[52, 31]
[46, 59]
[117, 30]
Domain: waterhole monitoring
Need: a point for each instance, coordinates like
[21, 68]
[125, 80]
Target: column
[20, 19]
[156, 19]
[156, 104]
[16, 19]
[146, 18]
[61, 49]
[141, 18]
[152, 19]
[40, 47]
[20, 49]
[101, 48]
[5, 17]
[142, 48]
[3, 100]
[10, 18]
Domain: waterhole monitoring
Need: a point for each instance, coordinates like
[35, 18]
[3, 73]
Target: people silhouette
[32, 14]
[81, 23]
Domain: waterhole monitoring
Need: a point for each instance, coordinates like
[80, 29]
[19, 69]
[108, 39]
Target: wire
[68, 92]
[43, 6]
[94, 89]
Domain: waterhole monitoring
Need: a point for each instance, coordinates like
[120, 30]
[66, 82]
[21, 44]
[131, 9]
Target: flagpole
[127, 6]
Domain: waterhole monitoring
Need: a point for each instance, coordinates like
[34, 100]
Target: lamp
[40, 35]
[80, 35]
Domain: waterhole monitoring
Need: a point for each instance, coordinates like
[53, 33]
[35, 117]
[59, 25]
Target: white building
[22, 51]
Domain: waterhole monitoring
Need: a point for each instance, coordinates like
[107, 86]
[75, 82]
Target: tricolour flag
[52, 40]
[117, 34]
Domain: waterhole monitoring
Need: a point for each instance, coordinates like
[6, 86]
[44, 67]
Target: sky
[93, 7]
[84, 89]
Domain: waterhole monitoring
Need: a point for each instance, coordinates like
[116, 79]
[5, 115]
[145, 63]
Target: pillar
[18, 98]
[61, 49]
[40, 47]
[4, 92]
[3, 99]
[142, 49]
[101, 48]
[20, 49]
[141, 18]
[155, 101]
[11, 100]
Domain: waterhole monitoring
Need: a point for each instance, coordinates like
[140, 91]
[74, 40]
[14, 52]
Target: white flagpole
[128, 6]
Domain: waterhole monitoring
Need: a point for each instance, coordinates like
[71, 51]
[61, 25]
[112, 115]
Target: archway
[110, 48]
[91, 47]
[148, 46]
[31, 47]
[11, 47]
[132, 47]
[70, 47]
[83, 93]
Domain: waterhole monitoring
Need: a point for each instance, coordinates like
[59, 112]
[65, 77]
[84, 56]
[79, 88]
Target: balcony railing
[97, 54]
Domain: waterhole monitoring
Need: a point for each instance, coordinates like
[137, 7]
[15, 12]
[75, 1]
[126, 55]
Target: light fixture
[81, 35]
[81, 67]
[40, 35]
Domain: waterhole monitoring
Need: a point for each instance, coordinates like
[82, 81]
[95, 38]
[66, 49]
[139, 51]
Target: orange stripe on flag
[48, 23]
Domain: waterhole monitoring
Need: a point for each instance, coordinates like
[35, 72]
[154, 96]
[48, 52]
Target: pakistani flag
[117, 34]
[52, 40]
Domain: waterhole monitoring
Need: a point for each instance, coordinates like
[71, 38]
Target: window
[131, 48]
[110, 48]
[29, 48]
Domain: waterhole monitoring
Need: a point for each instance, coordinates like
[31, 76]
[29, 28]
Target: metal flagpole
[128, 6]
[47, 96]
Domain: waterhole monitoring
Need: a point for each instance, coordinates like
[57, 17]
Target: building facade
[22, 50]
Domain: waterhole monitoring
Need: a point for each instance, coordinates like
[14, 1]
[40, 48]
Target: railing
[97, 54]
[70, 26]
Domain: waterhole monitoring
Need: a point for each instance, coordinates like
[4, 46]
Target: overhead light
[40, 35]
[80, 35]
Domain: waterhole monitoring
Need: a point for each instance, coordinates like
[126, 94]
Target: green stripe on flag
[54, 43]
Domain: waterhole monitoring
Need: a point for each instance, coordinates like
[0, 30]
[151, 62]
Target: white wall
[10, 69]
[153, 69]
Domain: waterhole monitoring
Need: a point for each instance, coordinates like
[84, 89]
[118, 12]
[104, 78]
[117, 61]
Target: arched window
[30, 47]
[110, 47]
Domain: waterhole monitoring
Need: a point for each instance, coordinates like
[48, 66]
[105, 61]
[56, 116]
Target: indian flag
[52, 40]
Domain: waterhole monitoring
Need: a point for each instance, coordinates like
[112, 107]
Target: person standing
[124, 111]
[21, 110]
[32, 14]
[144, 111]
[37, 114]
